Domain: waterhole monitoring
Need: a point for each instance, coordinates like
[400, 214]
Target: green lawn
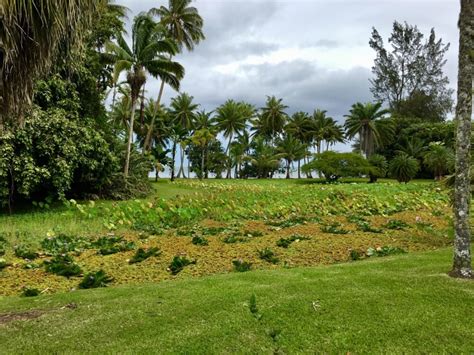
[401, 304]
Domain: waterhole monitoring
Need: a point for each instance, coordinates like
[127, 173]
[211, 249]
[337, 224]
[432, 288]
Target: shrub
[63, 265]
[30, 292]
[396, 224]
[403, 167]
[286, 242]
[24, 252]
[198, 240]
[335, 165]
[384, 251]
[178, 263]
[241, 266]
[112, 245]
[366, 227]
[142, 254]
[439, 159]
[95, 280]
[379, 167]
[356, 255]
[268, 255]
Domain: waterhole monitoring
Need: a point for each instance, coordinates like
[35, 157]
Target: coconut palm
[321, 128]
[148, 55]
[438, 159]
[231, 120]
[272, 117]
[291, 149]
[184, 25]
[204, 120]
[31, 32]
[365, 121]
[264, 158]
[183, 110]
[201, 138]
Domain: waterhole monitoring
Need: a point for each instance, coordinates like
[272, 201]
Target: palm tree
[438, 159]
[231, 119]
[364, 121]
[201, 138]
[204, 120]
[148, 55]
[273, 117]
[291, 149]
[334, 134]
[300, 126]
[184, 25]
[183, 111]
[264, 158]
[31, 32]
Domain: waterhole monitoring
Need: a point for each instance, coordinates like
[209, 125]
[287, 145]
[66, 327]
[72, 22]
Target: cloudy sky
[311, 53]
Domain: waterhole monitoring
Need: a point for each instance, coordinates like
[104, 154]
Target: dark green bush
[178, 263]
[63, 265]
[198, 240]
[142, 254]
[95, 280]
[30, 292]
[268, 255]
[396, 224]
[286, 242]
[379, 167]
[24, 252]
[241, 266]
[403, 167]
[111, 245]
[334, 228]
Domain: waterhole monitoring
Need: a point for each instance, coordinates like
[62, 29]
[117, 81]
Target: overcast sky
[311, 53]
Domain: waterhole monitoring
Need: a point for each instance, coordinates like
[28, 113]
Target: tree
[148, 54]
[273, 117]
[264, 159]
[31, 33]
[201, 139]
[365, 121]
[291, 149]
[183, 111]
[403, 167]
[300, 126]
[412, 68]
[379, 167]
[438, 159]
[462, 196]
[231, 118]
[335, 165]
[184, 25]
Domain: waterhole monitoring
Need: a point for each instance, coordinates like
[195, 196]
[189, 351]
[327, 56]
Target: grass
[398, 304]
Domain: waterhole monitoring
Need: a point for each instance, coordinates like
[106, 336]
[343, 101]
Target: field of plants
[192, 228]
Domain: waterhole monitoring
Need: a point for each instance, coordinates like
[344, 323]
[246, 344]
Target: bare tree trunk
[299, 168]
[173, 159]
[462, 194]
[229, 168]
[181, 164]
[202, 163]
[287, 169]
[130, 138]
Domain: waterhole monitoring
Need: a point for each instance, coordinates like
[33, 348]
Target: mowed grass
[398, 304]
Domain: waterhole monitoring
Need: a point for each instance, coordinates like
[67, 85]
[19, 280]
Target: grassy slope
[396, 304]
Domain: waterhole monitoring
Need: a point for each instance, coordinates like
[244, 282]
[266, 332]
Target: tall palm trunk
[130, 137]
[202, 163]
[462, 194]
[181, 163]
[147, 142]
[229, 167]
[173, 159]
[299, 168]
[287, 169]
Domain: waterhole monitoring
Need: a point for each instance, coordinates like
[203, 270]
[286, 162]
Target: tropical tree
[31, 33]
[183, 110]
[365, 121]
[291, 149]
[438, 159]
[379, 167]
[300, 126]
[264, 159]
[403, 167]
[231, 119]
[148, 55]
[322, 127]
[462, 197]
[201, 138]
[184, 25]
[272, 117]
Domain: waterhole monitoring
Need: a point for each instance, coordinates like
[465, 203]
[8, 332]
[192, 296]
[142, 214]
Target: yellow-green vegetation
[268, 224]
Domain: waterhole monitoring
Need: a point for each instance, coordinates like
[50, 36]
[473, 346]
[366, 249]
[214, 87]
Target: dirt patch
[6, 318]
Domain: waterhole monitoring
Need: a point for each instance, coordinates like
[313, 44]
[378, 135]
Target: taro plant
[62, 244]
[23, 251]
[366, 227]
[241, 266]
[231, 239]
[142, 254]
[178, 263]
[95, 280]
[268, 255]
[3, 243]
[3, 264]
[63, 265]
[384, 251]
